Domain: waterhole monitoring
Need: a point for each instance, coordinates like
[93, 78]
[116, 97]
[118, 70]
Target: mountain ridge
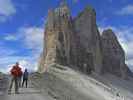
[77, 43]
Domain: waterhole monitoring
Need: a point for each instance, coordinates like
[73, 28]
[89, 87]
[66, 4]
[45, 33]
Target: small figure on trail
[15, 72]
[25, 78]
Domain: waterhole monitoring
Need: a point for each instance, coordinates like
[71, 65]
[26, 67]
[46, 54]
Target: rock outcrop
[86, 28]
[76, 42]
[57, 36]
[113, 54]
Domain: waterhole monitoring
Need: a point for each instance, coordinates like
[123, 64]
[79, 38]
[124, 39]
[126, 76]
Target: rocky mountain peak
[109, 34]
[111, 40]
[113, 54]
[77, 43]
[88, 11]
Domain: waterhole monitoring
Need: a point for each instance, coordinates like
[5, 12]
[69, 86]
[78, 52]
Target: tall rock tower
[57, 37]
[86, 28]
[114, 55]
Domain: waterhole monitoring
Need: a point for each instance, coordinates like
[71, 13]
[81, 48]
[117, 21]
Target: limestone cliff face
[86, 28]
[113, 54]
[76, 42]
[57, 37]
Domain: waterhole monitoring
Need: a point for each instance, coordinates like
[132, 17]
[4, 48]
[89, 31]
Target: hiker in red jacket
[15, 73]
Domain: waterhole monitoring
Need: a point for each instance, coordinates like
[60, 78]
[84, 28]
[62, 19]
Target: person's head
[26, 70]
[17, 63]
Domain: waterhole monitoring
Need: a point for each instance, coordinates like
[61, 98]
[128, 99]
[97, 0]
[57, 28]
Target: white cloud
[32, 39]
[7, 9]
[10, 38]
[125, 37]
[127, 10]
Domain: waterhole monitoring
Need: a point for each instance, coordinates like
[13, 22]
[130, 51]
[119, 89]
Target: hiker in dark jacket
[25, 78]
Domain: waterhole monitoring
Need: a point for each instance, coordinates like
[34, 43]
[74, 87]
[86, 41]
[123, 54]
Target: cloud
[31, 39]
[125, 37]
[10, 38]
[127, 10]
[8, 58]
[7, 9]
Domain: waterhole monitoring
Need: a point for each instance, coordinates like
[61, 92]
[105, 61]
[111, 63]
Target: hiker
[15, 71]
[25, 78]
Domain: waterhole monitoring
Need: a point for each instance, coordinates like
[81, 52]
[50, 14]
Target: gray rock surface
[62, 83]
[113, 54]
[86, 28]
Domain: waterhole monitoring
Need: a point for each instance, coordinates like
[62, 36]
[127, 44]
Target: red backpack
[20, 73]
[14, 71]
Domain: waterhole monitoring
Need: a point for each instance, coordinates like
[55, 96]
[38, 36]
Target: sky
[22, 25]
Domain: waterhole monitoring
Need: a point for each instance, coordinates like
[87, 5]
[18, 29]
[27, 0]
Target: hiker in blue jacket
[25, 78]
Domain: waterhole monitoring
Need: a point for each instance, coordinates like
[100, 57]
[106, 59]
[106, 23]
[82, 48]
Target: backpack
[14, 72]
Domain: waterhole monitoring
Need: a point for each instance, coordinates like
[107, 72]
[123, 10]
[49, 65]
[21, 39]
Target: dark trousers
[14, 80]
[25, 81]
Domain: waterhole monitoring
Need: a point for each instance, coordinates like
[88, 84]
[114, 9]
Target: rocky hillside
[77, 43]
[64, 83]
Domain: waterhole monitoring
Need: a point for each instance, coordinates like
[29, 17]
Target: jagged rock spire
[63, 3]
[77, 43]
[63, 10]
